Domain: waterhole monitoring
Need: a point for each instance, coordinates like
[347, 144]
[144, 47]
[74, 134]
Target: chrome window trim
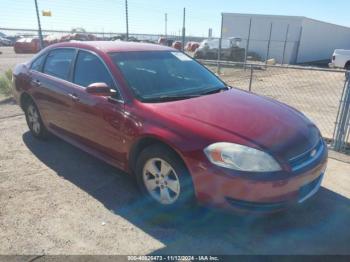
[121, 100]
[70, 67]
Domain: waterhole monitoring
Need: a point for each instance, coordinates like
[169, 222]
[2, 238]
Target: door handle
[36, 82]
[74, 97]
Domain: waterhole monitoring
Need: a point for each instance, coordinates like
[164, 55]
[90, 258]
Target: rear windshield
[152, 74]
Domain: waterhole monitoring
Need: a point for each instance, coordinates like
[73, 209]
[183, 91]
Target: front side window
[157, 75]
[38, 63]
[58, 63]
[89, 69]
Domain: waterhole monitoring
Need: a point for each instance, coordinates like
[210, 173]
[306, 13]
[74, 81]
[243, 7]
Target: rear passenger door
[55, 100]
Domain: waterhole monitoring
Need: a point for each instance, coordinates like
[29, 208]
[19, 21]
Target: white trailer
[293, 39]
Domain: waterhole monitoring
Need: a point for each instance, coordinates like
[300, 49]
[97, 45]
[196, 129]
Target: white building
[308, 40]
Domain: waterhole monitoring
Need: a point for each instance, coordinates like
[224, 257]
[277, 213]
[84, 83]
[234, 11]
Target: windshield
[155, 75]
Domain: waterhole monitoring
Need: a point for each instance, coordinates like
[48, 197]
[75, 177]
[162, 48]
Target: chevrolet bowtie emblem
[313, 153]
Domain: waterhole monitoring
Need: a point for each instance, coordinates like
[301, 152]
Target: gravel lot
[56, 199]
[8, 58]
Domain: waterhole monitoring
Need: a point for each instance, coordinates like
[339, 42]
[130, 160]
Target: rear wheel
[34, 121]
[163, 179]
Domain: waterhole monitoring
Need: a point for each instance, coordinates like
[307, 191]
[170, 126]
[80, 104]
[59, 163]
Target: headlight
[241, 158]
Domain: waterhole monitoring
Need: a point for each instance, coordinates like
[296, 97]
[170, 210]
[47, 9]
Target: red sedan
[156, 113]
[27, 45]
[177, 45]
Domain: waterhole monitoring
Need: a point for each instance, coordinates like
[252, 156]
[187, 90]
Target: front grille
[257, 206]
[305, 159]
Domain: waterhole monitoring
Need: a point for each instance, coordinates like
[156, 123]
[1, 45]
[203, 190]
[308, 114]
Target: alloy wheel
[161, 181]
[33, 119]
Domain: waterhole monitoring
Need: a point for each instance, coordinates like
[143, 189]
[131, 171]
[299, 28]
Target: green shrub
[5, 83]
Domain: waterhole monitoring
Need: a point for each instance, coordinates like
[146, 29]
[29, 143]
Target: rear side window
[37, 65]
[90, 69]
[58, 63]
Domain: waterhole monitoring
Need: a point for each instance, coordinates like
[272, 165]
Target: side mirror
[100, 89]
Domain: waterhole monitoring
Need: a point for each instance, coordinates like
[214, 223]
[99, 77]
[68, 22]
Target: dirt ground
[56, 199]
[8, 58]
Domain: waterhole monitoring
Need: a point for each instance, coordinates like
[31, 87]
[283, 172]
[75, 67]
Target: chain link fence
[314, 91]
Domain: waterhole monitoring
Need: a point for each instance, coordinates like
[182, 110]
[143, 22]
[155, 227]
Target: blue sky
[148, 16]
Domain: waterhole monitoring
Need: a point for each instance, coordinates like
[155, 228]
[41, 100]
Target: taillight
[334, 58]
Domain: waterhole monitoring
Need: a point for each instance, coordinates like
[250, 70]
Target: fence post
[251, 78]
[220, 45]
[298, 45]
[268, 45]
[285, 44]
[248, 40]
[342, 125]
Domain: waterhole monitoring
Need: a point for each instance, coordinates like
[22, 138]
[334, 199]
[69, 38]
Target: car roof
[114, 46]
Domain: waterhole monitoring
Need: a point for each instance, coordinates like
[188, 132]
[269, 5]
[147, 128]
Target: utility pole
[127, 20]
[39, 26]
[166, 25]
[183, 30]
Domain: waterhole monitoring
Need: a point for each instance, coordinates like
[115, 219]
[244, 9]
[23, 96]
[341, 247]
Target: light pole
[39, 25]
[127, 20]
[166, 25]
[183, 30]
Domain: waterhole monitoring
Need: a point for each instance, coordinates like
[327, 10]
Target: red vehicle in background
[78, 37]
[27, 45]
[177, 45]
[192, 46]
[32, 44]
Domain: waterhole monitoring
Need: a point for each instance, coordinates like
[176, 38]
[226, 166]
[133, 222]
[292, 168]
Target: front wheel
[347, 66]
[164, 179]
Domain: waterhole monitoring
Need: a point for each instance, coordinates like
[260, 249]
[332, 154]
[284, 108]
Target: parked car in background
[78, 37]
[154, 112]
[53, 39]
[230, 49]
[191, 46]
[13, 39]
[5, 42]
[165, 41]
[177, 45]
[27, 45]
[341, 59]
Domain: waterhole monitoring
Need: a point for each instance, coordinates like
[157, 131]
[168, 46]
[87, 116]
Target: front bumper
[304, 193]
[223, 188]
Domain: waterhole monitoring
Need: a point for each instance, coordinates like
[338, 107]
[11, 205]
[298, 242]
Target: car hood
[270, 125]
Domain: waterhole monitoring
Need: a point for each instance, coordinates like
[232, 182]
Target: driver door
[98, 120]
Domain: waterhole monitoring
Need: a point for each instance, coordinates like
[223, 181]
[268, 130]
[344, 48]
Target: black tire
[347, 66]
[37, 129]
[186, 197]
